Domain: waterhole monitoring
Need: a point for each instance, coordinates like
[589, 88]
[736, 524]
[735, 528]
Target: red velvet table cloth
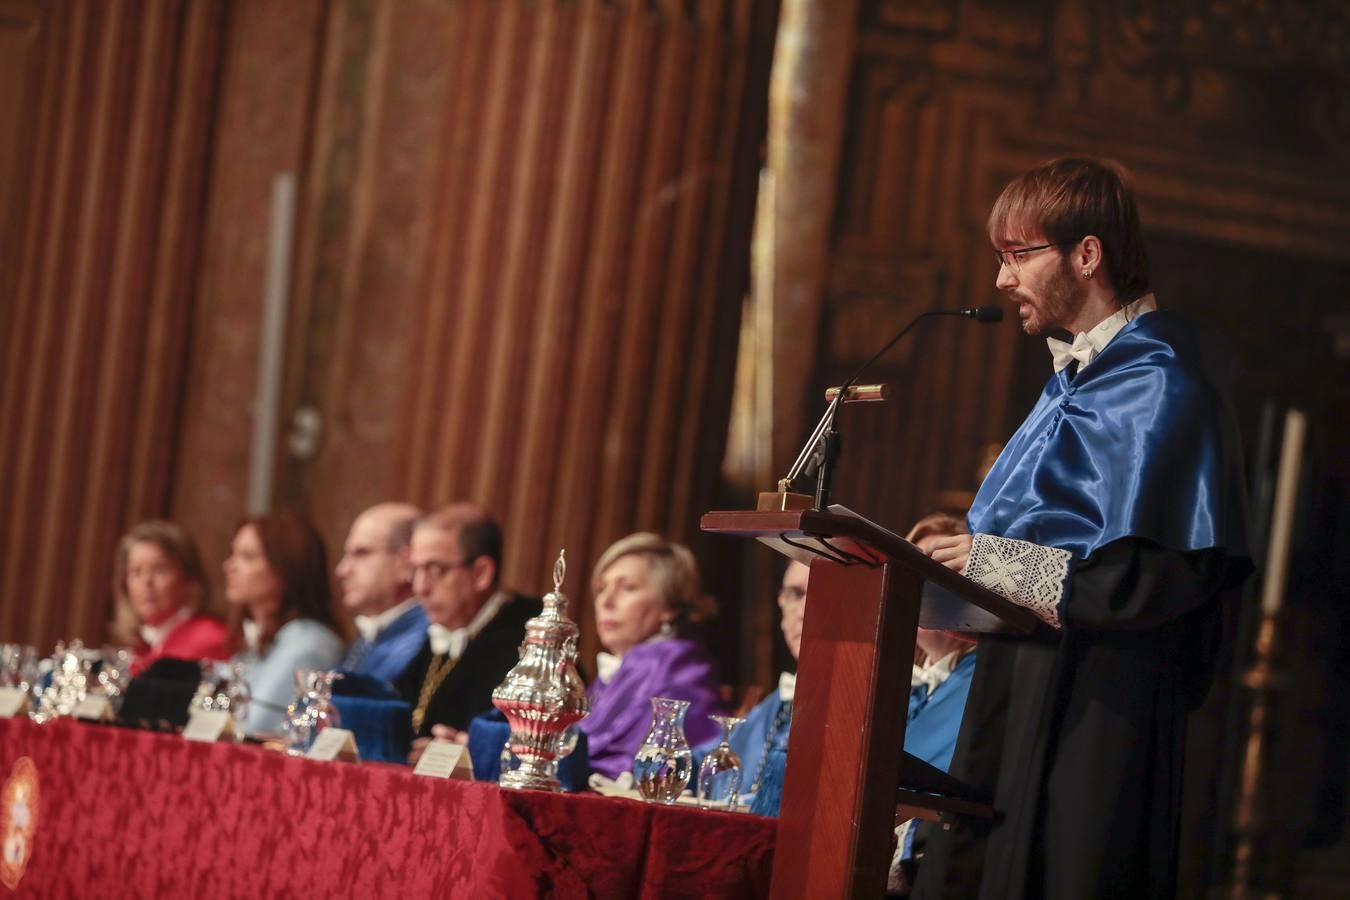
[133, 813]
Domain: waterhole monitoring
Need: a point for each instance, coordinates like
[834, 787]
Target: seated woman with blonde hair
[161, 593]
[647, 598]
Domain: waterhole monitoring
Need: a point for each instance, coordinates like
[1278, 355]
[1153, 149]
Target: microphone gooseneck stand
[825, 446]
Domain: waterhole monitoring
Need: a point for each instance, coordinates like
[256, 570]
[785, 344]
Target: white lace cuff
[1025, 573]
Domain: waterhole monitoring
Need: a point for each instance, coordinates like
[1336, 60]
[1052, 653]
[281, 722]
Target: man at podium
[1116, 513]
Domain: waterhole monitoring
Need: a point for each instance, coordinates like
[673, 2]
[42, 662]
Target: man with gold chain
[474, 627]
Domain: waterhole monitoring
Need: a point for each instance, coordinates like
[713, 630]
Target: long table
[134, 813]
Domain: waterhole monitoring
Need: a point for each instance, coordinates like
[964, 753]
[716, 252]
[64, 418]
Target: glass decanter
[311, 711]
[223, 688]
[237, 695]
[719, 777]
[68, 685]
[19, 667]
[664, 762]
[114, 674]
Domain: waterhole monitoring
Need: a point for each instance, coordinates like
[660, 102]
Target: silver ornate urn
[543, 695]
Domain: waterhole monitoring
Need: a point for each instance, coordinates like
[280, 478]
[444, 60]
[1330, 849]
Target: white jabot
[154, 635]
[606, 664]
[453, 641]
[932, 674]
[370, 626]
[787, 686]
[1087, 344]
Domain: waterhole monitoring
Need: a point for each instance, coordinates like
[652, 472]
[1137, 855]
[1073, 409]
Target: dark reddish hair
[295, 552]
[1068, 199]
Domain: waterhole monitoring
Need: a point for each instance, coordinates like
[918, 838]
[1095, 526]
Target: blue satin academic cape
[1142, 443]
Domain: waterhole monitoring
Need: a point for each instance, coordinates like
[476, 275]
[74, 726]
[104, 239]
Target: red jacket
[200, 637]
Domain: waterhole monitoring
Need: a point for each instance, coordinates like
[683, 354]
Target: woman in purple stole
[647, 596]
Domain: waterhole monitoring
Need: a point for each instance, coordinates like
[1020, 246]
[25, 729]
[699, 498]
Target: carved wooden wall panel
[952, 100]
[97, 315]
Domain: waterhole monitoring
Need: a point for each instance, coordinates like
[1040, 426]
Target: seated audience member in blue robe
[375, 576]
[1116, 513]
[938, 697]
[936, 702]
[761, 740]
[647, 598]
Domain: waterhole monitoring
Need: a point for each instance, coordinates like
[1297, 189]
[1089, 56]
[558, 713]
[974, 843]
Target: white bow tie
[1081, 350]
[445, 641]
[928, 676]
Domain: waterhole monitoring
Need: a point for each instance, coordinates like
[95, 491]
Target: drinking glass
[719, 777]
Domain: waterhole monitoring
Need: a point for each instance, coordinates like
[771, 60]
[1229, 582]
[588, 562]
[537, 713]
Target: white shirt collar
[154, 635]
[453, 641]
[252, 635]
[1087, 344]
[370, 627]
[787, 686]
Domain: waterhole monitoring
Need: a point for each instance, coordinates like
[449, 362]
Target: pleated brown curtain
[103, 209]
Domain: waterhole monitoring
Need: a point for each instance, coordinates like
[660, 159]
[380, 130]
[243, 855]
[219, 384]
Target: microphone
[826, 437]
[983, 313]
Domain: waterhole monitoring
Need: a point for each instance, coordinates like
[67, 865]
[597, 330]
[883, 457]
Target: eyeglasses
[1013, 258]
[436, 569]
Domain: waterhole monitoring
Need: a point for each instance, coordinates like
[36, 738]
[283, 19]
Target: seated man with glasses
[474, 627]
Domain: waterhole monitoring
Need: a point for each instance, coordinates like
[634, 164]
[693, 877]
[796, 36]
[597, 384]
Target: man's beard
[1061, 298]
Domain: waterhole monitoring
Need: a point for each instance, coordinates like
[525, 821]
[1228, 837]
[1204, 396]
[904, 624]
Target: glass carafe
[664, 762]
[223, 688]
[19, 667]
[114, 674]
[311, 711]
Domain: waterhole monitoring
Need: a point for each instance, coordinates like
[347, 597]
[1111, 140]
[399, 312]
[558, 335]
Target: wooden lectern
[865, 599]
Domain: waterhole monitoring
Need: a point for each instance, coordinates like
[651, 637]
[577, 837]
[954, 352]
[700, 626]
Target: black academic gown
[467, 690]
[1133, 467]
[1079, 735]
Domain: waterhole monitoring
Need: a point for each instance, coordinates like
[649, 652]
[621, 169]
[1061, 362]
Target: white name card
[209, 726]
[94, 707]
[334, 744]
[445, 759]
[13, 703]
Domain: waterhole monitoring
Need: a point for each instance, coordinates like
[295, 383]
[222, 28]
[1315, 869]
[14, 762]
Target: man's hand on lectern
[951, 550]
